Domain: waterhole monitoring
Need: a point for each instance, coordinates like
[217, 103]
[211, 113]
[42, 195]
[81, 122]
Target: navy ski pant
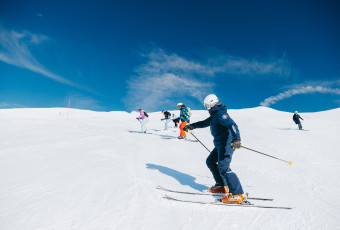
[219, 164]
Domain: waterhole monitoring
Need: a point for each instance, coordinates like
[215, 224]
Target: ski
[139, 132]
[185, 139]
[189, 140]
[246, 205]
[208, 194]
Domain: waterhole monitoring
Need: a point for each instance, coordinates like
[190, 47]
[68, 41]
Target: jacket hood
[219, 105]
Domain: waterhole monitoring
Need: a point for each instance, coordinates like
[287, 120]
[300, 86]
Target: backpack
[145, 114]
[189, 111]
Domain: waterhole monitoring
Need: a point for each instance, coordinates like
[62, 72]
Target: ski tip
[168, 197]
[160, 187]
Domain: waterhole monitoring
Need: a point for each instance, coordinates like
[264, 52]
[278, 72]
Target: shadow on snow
[163, 136]
[182, 178]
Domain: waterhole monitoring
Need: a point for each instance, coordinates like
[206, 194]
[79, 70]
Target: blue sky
[125, 55]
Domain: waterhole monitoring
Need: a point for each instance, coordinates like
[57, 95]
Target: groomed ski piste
[94, 170]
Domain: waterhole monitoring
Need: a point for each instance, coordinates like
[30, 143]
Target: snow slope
[95, 171]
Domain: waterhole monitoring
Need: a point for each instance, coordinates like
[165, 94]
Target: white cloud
[279, 67]
[159, 61]
[227, 64]
[303, 90]
[153, 92]
[166, 78]
[6, 105]
[315, 84]
[14, 51]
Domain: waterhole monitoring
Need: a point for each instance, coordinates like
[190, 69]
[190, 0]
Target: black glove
[163, 119]
[188, 127]
[236, 143]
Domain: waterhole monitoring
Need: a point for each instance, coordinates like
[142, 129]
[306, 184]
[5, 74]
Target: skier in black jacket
[167, 118]
[296, 119]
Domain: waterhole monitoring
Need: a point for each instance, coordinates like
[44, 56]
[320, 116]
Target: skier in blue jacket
[226, 140]
[184, 117]
[296, 119]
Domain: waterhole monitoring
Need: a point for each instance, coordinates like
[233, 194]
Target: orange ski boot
[233, 199]
[216, 189]
[219, 189]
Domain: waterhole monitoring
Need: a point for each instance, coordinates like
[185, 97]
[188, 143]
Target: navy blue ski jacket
[222, 127]
[296, 118]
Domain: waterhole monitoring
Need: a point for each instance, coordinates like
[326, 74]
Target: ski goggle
[207, 106]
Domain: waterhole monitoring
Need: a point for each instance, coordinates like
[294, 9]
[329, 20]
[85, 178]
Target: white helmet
[179, 104]
[210, 101]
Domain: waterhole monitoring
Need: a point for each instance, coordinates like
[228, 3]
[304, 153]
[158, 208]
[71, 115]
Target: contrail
[292, 92]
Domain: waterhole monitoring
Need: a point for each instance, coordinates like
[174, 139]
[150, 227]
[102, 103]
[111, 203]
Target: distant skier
[167, 118]
[143, 119]
[296, 119]
[184, 118]
[226, 140]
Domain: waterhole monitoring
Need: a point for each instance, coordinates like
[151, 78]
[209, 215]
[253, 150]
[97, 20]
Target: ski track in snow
[96, 171]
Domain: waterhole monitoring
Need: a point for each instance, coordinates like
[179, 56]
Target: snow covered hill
[95, 171]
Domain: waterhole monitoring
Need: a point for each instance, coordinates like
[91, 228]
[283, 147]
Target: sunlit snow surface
[93, 170]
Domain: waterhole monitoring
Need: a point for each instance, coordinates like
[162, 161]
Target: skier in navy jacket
[296, 119]
[226, 140]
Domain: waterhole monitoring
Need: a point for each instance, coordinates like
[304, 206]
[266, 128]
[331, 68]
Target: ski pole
[289, 162]
[190, 133]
